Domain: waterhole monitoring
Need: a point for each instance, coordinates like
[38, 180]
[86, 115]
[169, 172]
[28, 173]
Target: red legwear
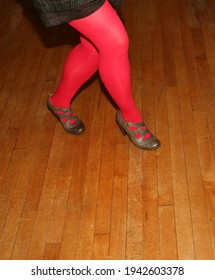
[103, 47]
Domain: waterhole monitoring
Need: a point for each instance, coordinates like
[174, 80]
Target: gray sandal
[71, 123]
[139, 135]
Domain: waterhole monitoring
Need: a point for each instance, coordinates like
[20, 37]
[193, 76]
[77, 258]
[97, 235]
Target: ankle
[57, 102]
[132, 117]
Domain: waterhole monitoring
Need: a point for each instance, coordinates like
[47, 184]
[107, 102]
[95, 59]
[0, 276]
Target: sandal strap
[137, 133]
[70, 122]
[140, 129]
[139, 124]
[65, 115]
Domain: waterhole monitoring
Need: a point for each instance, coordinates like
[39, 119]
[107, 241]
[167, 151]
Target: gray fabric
[55, 12]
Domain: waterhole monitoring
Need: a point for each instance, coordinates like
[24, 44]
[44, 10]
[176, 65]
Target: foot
[138, 134]
[71, 123]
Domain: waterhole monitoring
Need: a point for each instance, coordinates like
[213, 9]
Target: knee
[114, 44]
[121, 43]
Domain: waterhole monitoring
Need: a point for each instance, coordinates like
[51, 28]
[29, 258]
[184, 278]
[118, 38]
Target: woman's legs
[80, 65]
[105, 49]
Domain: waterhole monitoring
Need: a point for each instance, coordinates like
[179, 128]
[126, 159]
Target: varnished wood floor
[97, 196]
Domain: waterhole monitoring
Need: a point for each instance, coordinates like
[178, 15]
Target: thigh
[103, 28]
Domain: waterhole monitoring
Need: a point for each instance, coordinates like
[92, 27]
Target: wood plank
[87, 221]
[18, 199]
[208, 95]
[14, 112]
[135, 30]
[30, 71]
[45, 206]
[167, 43]
[105, 187]
[151, 248]
[207, 163]
[149, 166]
[101, 247]
[8, 90]
[8, 185]
[75, 200]
[10, 17]
[196, 191]
[117, 248]
[165, 191]
[183, 220]
[193, 46]
[19, 195]
[52, 251]
[134, 243]
[168, 243]
[44, 127]
[32, 107]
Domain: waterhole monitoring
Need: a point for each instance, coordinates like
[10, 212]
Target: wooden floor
[96, 196]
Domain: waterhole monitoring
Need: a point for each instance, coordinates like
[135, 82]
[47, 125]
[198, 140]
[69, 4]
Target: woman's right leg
[80, 65]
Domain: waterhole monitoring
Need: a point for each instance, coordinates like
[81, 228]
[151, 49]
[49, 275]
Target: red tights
[104, 47]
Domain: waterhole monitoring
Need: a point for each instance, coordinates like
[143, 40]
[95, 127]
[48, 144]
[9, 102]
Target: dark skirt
[55, 12]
